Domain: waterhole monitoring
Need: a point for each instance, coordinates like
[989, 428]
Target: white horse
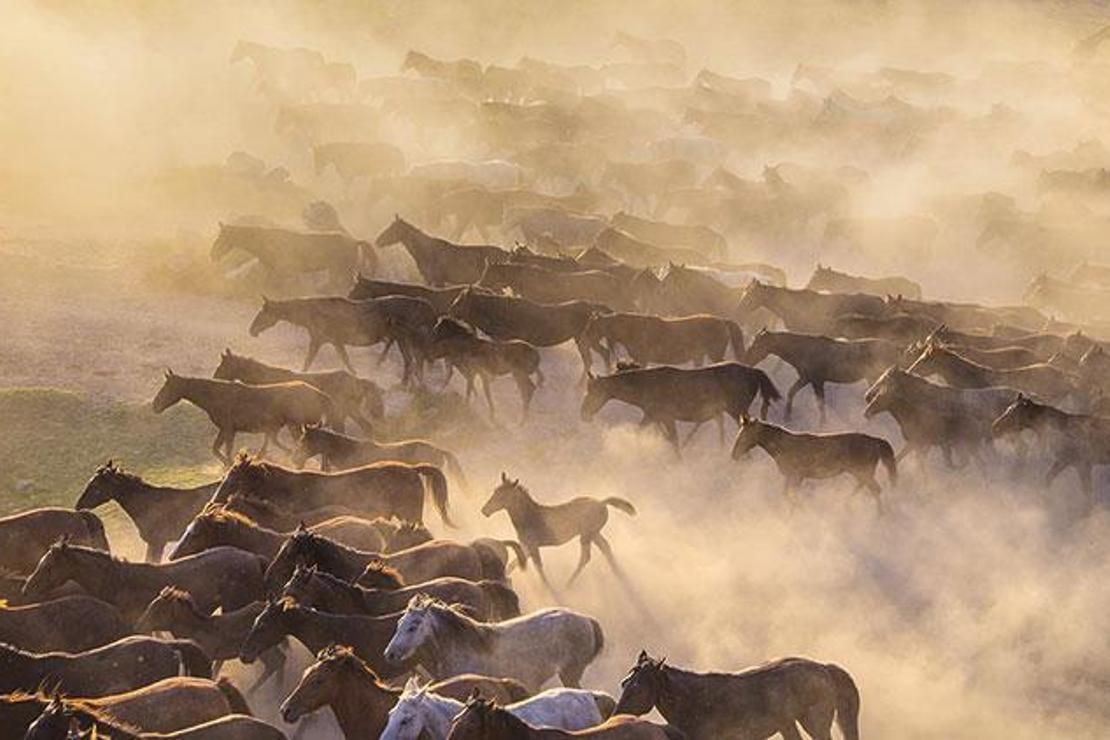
[420, 711]
[531, 648]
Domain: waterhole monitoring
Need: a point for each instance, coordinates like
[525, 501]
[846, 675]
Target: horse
[538, 525]
[543, 285]
[25, 536]
[236, 407]
[1001, 358]
[123, 665]
[439, 261]
[167, 705]
[218, 635]
[283, 253]
[667, 395]
[434, 559]
[218, 526]
[832, 281]
[224, 577]
[343, 452]
[531, 648]
[800, 456]
[379, 489]
[421, 712]
[506, 318]
[477, 357]
[701, 238]
[367, 636]
[361, 702]
[483, 720]
[652, 339]
[807, 310]
[819, 360]
[902, 328]
[753, 704]
[349, 394]
[62, 720]
[353, 160]
[487, 600]
[1043, 380]
[1079, 441]
[69, 625]
[439, 298]
[159, 513]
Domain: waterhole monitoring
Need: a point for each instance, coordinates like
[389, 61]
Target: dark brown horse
[224, 577]
[771, 699]
[160, 513]
[541, 325]
[476, 357]
[68, 625]
[350, 395]
[381, 489]
[24, 537]
[486, 600]
[342, 452]
[819, 360]
[667, 395]
[236, 407]
[538, 525]
[439, 298]
[544, 285]
[219, 635]
[361, 702]
[439, 261]
[482, 719]
[818, 456]
[656, 340]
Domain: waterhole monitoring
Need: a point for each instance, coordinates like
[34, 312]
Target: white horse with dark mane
[421, 713]
[531, 648]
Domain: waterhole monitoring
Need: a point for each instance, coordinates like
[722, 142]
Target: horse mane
[624, 366]
[111, 468]
[96, 714]
[175, 595]
[455, 622]
[324, 551]
[454, 328]
[346, 657]
[221, 514]
[387, 575]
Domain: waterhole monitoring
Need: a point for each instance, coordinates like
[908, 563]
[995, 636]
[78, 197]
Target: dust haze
[976, 609]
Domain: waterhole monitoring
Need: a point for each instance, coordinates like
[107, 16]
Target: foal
[800, 456]
[539, 526]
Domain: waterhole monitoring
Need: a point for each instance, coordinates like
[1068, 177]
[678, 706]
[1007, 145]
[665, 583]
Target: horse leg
[583, 558]
[1058, 467]
[721, 430]
[527, 391]
[875, 490]
[265, 444]
[534, 554]
[388, 345]
[670, 432]
[221, 439]
[788, 486]
[690, 435]
[229, 444]
[817, 720]
[273, 664]
[571, 675]
[489, 396]
[819, 391]
[798, 385]
[607, 550]
[313, 348]
[341, 350]
[154, 551]
[584, 353]
[790, 731]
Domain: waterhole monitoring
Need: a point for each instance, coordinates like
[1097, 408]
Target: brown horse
[486, 600]
[63, 720]
[439, 261]
[819, 360]
[381, 489]
[342, 452]
[24, 537]
[236, 407]
[750, 705]
[361, 702]
[540, 325]
[807, 310]
[664, 341]
[538, 525]
[160, 513]
[435, 559]
[544, 285]
[119, 666]
[476, 357]
[817, 456]
[832, 281]
[69, 625]
[283, 253]
[349, 394]
[667, 395]
[223, 576]
[219, 635]
[1041, 380]
[482, 719]
[218, 526]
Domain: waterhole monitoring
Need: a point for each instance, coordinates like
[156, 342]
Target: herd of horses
[321, 536]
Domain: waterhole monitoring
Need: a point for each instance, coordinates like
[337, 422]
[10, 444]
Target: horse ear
[590, 375]
[642, 657]
[302, 527]
[504, 478]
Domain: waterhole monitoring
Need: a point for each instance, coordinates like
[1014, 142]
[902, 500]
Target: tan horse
[539, 526]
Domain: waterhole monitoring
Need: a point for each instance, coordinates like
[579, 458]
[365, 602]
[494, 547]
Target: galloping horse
[439, 261]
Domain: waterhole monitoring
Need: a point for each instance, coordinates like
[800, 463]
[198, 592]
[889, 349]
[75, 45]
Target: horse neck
[680, 696]
[204, 393]
[247, 368]
[521, 506]
[772, 439]
[1051, 417]
[782, 303]
[336, 557]
[952, 363]
[252, 537]
[360, 701]
[310, 627]
[442, 711]
[96, 572]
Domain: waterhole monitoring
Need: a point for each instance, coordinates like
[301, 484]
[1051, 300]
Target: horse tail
[493, 567]
[847, 701]
[736, 339]
[599, 639]
[95, 528]
[436, 482]
[619, 503]
[235, 699]
[767, 389]
[518, 550]
[886, 456]
[504, 601]
[371, 397]
[452, 464]
[192, 659]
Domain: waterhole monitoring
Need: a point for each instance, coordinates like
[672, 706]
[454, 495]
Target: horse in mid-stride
[539, 526]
